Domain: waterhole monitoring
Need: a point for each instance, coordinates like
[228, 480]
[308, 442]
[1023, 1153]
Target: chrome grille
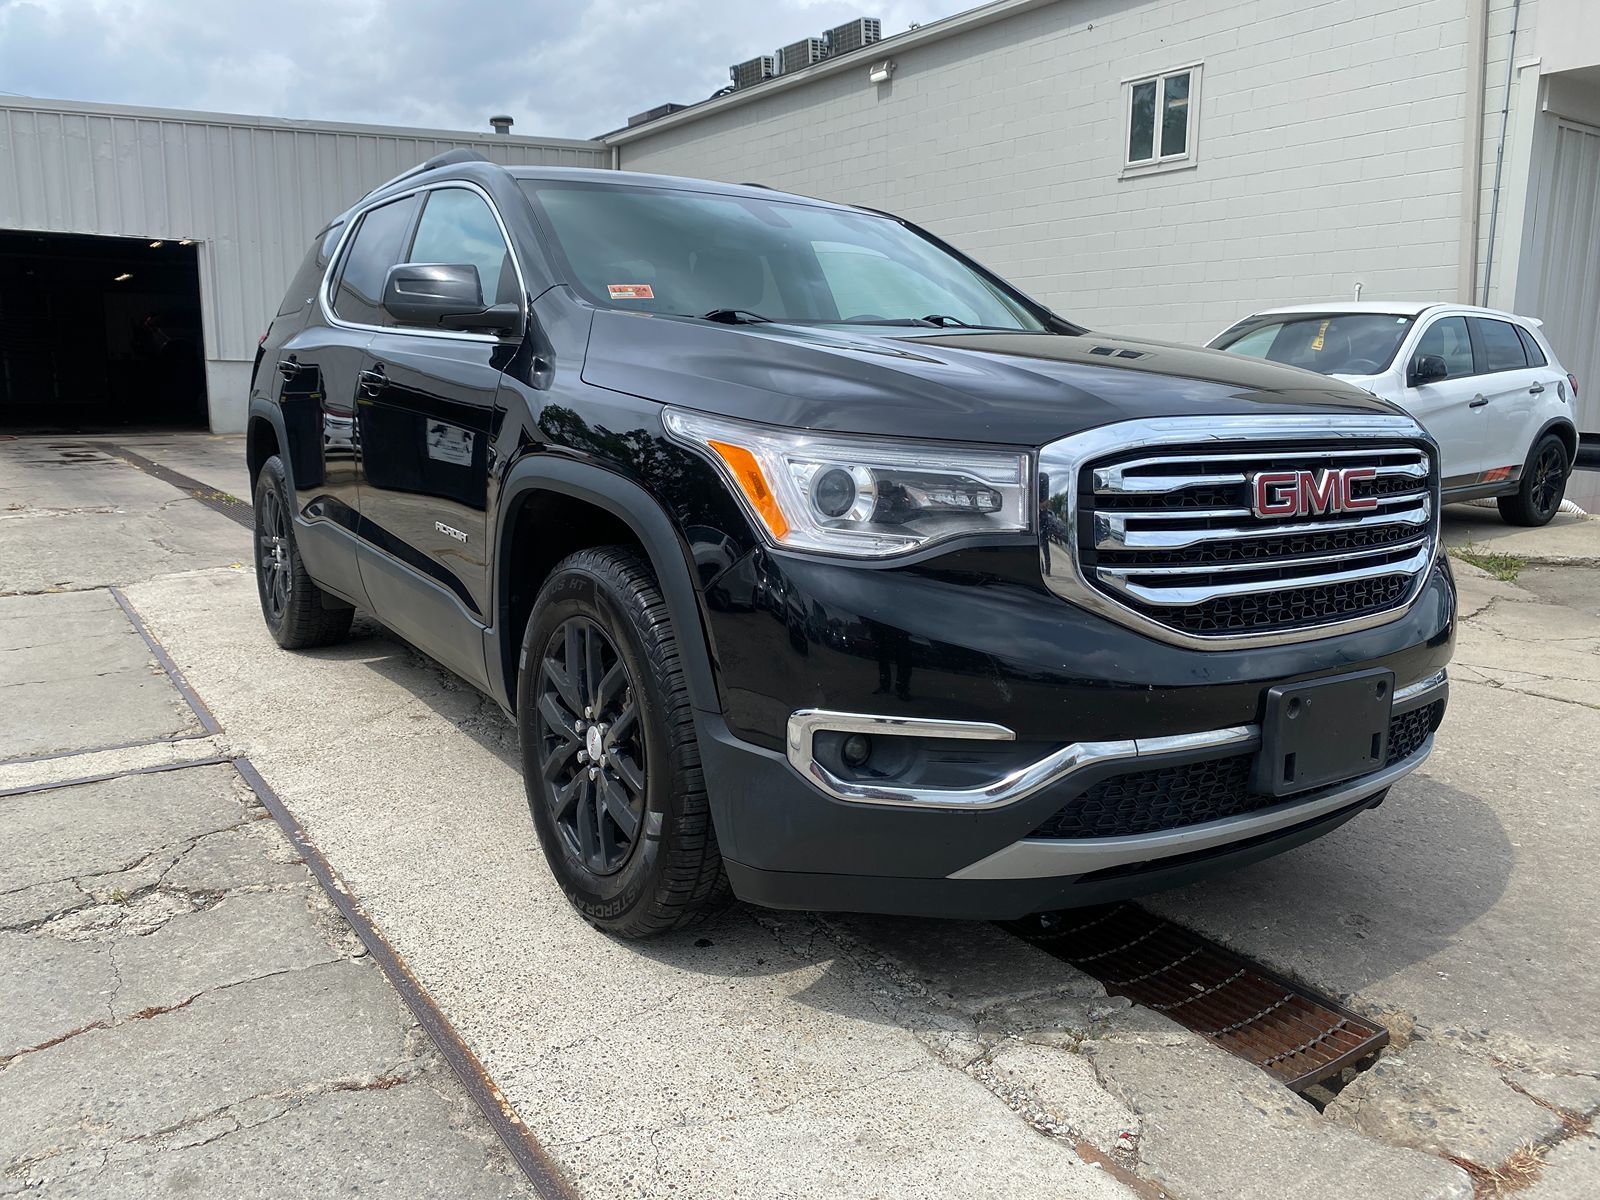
[1158, 530]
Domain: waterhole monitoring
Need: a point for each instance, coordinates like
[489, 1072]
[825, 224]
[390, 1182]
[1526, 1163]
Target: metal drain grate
[222, 502]
[1287, 1030]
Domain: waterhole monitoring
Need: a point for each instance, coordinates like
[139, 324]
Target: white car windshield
[1331, 343]
[697, 253]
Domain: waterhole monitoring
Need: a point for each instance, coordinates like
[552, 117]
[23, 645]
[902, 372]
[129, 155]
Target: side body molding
[663, 544]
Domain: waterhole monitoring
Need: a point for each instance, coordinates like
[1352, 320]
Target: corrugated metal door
[1569, 261]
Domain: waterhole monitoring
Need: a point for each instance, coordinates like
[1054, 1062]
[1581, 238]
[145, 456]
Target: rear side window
[1530, 347]
[1502, 348]
[377, 246]
[457, 227]
[303, 288]
[1447, 338]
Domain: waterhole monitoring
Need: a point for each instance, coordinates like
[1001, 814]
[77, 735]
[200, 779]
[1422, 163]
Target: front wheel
[1544, 483]
[609, 755]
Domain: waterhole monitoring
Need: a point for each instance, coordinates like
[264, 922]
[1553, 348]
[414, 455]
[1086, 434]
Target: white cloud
[567, 68]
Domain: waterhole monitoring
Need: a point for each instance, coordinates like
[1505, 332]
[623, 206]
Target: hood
[1007, 388]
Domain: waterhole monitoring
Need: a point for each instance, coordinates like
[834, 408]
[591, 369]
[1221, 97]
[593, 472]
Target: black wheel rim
[591, 747]
[1547, 482]
[272, 554]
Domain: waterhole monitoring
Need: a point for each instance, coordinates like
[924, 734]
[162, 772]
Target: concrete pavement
[790, 1054]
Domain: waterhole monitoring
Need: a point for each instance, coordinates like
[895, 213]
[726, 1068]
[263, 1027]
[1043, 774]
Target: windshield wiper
[941, 320]
[736, 316]
[922, 322]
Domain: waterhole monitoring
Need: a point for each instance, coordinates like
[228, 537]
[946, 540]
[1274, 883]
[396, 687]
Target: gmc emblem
[1310, 493]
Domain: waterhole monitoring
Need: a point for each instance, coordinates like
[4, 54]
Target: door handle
[288, 368]
[373, 380]
[1479, 401]
[1536, 390]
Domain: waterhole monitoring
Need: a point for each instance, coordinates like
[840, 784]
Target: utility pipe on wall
[1500, 150]
[1472, 157]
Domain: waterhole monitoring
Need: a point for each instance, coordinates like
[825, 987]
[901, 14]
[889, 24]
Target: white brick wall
[1331, 143]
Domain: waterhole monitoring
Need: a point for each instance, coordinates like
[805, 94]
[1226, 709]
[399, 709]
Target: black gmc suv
[815, 560]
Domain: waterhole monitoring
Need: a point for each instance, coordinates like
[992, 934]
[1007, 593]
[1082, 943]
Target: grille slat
[1171, 536]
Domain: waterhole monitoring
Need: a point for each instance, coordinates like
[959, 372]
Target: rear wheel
[609, 754]
[298, 613]
[1544, 483]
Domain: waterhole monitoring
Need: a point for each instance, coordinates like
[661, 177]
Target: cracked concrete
[90, 668]
[184, 1009]
[786, 1054]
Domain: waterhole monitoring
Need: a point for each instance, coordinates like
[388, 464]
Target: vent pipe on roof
[501, 124]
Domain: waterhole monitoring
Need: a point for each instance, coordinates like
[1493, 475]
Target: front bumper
[873, 854]
[1097, 701]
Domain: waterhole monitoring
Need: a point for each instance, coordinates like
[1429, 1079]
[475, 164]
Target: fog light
[856, 750]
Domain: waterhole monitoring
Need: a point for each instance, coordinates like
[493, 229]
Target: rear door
[1451, 409]
[1507, 381]
[427, 416]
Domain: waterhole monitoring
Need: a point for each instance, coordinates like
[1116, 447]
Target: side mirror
[444, 296]
[1428, 368]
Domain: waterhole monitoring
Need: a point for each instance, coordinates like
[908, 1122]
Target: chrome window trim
[354, 222]
[1063, 461]
[1025, 781]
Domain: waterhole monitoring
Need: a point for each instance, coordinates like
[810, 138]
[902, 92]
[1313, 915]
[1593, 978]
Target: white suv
[1485, 384]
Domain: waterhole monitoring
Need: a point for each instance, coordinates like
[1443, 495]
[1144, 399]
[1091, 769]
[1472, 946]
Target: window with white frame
[1163, 112]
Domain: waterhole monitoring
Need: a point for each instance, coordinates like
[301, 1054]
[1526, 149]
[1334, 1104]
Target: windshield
[694, 253]
[1332, 343]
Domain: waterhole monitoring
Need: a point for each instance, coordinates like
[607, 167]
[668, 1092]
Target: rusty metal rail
[218, 501]
[1283, 1027]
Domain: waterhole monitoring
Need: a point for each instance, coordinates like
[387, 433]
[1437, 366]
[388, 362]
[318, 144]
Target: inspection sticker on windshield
[631, 291]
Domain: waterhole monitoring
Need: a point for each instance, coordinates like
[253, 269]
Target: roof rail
[449, 157]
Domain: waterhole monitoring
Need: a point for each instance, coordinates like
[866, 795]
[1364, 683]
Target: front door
[427, 417]
[1451, 409]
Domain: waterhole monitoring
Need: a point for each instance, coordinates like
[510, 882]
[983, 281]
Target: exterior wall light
[881, 71]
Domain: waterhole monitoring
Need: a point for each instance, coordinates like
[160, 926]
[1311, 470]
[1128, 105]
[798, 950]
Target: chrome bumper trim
[1043, 859]
[1422, 687]
[1023, 782]
[1008, 789]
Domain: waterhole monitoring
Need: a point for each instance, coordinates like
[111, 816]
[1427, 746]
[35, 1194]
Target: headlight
[864, 497]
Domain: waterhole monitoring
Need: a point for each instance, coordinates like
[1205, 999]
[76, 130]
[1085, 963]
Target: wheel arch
[1564, 429]
[264, 437]
[589, 505]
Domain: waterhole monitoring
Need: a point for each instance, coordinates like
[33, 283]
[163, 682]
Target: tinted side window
[1502, 348]
[1530, 347]
[1447, 338]
[377, 246]
[457, 226]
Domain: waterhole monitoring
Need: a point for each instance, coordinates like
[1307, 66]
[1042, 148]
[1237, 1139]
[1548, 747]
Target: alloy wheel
[1546, 490]
[272, 554]
[591, 747]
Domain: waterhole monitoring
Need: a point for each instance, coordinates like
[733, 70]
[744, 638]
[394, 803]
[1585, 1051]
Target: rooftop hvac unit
[754, 71]
[798, 55]
[655, 114]
[863, 31]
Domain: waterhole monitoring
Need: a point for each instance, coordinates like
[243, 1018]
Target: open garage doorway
[99, 333]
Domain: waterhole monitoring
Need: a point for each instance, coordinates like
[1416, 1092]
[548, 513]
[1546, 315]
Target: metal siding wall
[1331, 144]
[254, 194]
[1568, 297]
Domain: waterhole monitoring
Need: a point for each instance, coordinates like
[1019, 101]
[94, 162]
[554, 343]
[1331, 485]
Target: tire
[298, 613]
[1544, 483]
[630, 841]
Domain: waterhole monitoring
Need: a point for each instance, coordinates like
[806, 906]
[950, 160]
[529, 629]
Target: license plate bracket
[1324, 731]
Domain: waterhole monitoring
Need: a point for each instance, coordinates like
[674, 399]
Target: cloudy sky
[567, 68]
